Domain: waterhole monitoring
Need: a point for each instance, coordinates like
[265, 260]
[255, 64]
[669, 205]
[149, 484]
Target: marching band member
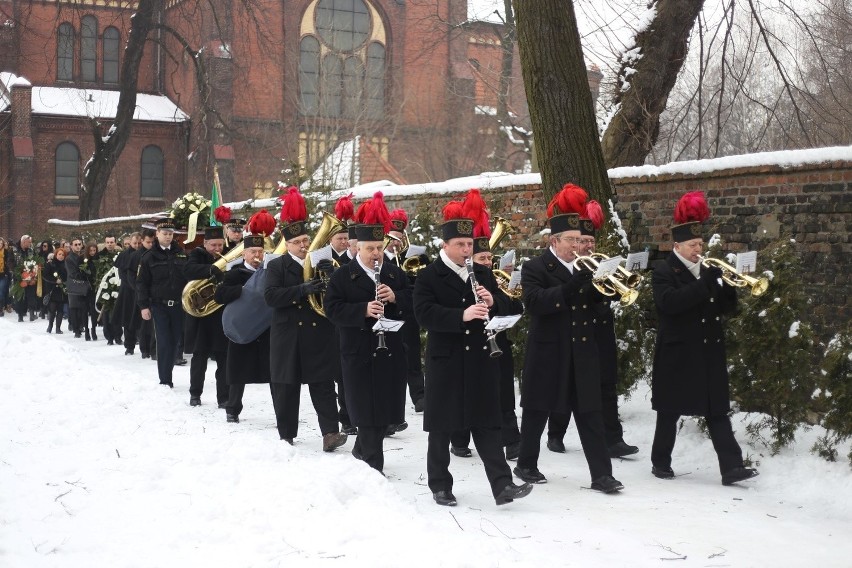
[344, 210]
[374, 378]
[159, 287]
[591, 220]
[462, 389]
[690, 374]
[246, 363]
[233, 231]
[561, 367]
[204, 336]
[301, 350]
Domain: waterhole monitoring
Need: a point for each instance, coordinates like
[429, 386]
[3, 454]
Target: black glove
[314, 286]
[325, 266]
[711, 276]
[216, 274]
[580, 279]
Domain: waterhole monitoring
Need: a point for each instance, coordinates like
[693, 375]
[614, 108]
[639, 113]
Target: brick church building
[411, 83]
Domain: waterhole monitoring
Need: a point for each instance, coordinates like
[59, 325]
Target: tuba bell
[758, 286]
[197, 296]
[502, 229]
[330, 225]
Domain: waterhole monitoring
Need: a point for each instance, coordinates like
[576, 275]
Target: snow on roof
[784, 159]
[339, 169]
[95, 103]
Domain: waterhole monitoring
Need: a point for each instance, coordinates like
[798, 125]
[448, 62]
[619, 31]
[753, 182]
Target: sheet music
[502, 323]
[237, 261]
[515, 280]
[746, 262]
[507, 259]
[320, 254]
[608, 266]
[387, 325]
[637, 261]
[414, 250]
[269, 257]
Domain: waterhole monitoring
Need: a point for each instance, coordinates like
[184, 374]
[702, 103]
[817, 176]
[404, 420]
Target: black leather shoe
[195, 401]
[128, 351]
[662, 472]
[349, 429]
[88, 336]
[420, 405]
[621, 449]
[394, 428]
[512, 451]
[288, 440]
[232, 417]
[356, 453]
[180, 362]
[460, 451]
[223, 404]
[512, 492]
[607, 484]
[555, 445]
[445, 498]
[77, 335]
[144, 355]
[109, 341]
[530, 474]
[738, 474]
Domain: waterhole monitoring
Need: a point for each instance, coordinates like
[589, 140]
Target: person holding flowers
[54, 277]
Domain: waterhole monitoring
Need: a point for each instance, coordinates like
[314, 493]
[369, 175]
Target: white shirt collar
[249, 266]
[693, 267]
[567, 265]
[368, 269]
[461, 271]
[297, 259]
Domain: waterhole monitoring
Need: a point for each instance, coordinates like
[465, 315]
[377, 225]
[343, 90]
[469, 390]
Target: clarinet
[380, 334]
[494, 350]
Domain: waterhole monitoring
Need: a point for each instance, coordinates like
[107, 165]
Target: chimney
[22, 104]
[594, 76]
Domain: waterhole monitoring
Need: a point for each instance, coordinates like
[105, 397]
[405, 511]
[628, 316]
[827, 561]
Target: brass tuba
[502, 229]
[197, 296]
[758, 286]
[610, 285]
[400, 252]
[329, 227]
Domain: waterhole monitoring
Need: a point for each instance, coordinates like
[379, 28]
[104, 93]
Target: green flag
[215, 198]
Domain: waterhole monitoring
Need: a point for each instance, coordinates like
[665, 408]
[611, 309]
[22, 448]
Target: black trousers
[112, 332]
[509, 432]
[285, 400]
[198, 370]
[145, 334]
[589, 426]
[487, 442]
[727, 449]
[234, 404]
[370, 444]
[414, 369]
[168, 325]
[558, 424]
[343, 414]
[29, 301]
[55, 313]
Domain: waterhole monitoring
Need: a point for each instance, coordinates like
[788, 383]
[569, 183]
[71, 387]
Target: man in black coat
[690, 374]
[112, 332]
[301, 342]
[249, 362]
[143, 329]
[462, 380]
[604, 325]
[159, 287]
[374, 379]
[125, 305]
[208, 339]
[561, 366]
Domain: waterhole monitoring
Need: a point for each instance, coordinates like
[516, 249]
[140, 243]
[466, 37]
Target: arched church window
[89, 48]
[152, 173]
[67, 170]
[65, 52]
[112, 41]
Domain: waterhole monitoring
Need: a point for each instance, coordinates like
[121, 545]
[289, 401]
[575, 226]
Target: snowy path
[100, 466]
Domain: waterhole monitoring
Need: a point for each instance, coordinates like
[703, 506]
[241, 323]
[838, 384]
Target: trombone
[731, 277]
[609, 285]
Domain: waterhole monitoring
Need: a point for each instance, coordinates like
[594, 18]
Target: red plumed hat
[222, 214]
[293, 210]
[475, 209]
[453, 210]
[691, 210]
[261, 223]
[344, 209]
[456, 224]
[592, 218]
[375, 212]
[571, 199]
[399, 220]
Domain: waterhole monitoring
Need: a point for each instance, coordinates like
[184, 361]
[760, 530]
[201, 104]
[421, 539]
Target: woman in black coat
[54, 277]
[92, 274]
[246, 363]
[78, 289]
[374, 380]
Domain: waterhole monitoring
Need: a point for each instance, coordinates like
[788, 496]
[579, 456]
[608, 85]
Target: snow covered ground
[100, 466]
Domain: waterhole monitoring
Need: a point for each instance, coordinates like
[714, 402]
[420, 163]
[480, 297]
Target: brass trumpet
[503, 278]
[758, 286]
[630, 279]
[609, 285]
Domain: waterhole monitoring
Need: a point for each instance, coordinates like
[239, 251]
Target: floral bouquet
[107, 292]
[191, 212]
[26, 274]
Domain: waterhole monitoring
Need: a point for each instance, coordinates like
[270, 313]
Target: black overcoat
[125, 304]
[561, 354]
[462, 381]
[202, 335]
[56, 292]
[78, 268]
[508, 306]
[604, 324]
[690, 375]
[247, 363]
[375, 381]
[304, 349]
